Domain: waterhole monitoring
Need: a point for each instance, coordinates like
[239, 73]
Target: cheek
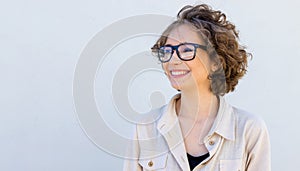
[200, 68]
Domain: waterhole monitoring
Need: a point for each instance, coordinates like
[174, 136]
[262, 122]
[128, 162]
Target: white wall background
[41, 41]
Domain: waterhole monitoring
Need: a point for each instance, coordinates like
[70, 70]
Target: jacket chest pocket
[230, 165]
[157, 163]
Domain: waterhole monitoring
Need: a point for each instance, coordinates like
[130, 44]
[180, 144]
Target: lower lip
[179, 76]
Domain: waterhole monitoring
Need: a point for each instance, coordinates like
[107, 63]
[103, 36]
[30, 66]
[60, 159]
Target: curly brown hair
[221, 39]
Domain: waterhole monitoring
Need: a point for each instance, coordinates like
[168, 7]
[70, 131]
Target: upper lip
[175, 70]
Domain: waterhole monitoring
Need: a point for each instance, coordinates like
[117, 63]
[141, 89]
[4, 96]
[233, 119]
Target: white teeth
[175, 73]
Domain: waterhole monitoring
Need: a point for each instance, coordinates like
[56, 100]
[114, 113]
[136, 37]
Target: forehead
[183, 33]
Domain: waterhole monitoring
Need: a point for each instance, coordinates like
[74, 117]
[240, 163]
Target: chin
[184, 86]
[179, 87]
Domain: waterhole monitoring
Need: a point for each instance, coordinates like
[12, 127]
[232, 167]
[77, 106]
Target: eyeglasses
[184, 51]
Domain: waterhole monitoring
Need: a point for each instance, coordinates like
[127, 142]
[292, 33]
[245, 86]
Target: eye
[165, 50]
[186, 49]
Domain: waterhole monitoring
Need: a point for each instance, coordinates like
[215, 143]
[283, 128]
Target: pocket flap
[155, 162]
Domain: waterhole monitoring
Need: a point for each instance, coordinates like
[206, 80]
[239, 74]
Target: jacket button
[150, 163]
[211, 142]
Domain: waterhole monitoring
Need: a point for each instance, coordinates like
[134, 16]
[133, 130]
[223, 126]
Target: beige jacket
[237, 141]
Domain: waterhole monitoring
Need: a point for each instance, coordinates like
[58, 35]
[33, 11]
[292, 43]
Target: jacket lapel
[169, 127]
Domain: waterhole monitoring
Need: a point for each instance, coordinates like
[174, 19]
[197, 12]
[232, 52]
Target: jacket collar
[224, 124]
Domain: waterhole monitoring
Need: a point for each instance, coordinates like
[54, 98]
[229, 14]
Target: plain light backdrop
[40, 44]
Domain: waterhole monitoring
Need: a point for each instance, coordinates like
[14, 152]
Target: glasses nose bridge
[175, 52]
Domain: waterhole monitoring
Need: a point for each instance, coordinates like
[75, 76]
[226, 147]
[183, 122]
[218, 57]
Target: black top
[194, 161]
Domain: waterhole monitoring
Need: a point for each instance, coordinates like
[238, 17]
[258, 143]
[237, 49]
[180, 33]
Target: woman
[198, 130]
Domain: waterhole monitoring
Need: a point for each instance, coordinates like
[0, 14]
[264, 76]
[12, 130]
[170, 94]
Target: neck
[197, 105]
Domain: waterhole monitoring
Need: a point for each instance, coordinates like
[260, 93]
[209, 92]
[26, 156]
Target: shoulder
[248, 117]
[152, 116]
[249, 122]
[148, 121]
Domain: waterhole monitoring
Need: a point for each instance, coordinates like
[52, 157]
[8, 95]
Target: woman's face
[187, 75]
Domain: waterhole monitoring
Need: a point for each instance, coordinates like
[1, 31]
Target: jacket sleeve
[132, 154]
[258, 147]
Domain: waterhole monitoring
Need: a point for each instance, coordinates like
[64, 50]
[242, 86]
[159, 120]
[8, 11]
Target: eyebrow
[175, 45]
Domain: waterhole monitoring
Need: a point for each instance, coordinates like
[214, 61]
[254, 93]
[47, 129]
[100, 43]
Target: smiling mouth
[178, 73]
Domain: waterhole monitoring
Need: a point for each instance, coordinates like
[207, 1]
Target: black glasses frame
[178, 53]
